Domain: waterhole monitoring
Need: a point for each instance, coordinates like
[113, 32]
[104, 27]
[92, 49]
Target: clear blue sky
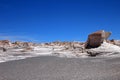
[51, 20]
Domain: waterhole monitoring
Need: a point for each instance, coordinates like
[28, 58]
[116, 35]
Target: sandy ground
[55, 68]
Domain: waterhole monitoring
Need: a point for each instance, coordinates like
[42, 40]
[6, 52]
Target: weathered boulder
[95, 39]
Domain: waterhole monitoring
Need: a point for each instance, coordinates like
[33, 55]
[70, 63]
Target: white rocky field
[105, 50]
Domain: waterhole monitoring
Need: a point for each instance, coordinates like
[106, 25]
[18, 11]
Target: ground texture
[54, 68]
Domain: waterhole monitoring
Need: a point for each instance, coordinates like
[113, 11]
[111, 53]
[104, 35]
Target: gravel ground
[55, 68]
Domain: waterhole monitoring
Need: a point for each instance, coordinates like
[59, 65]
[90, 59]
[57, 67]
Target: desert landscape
[99, 46]
[59, 40]
[61, 60]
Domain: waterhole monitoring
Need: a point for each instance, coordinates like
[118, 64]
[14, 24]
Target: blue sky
[51, 20]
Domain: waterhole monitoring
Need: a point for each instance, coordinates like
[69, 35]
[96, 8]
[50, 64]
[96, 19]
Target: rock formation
[115, 42]
[105, 49]
[97, 44]
[22, 44]
[5, 43]
[95, 39]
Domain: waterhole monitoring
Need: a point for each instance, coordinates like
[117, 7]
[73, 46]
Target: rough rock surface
[104, 49]
[5, 43]
[22, 44]
[95, 39]
[115, 42]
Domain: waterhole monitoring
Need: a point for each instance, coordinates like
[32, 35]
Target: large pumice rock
[96, 39]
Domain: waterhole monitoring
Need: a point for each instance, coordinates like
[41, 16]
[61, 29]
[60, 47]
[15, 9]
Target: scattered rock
[97, 44]
[115, 42]
[22, 44]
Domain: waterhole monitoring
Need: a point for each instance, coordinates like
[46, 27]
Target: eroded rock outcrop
[22, 44]
[5, 43]
[104, 49]
[115, 42]
[97, 44]
[96, 39]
